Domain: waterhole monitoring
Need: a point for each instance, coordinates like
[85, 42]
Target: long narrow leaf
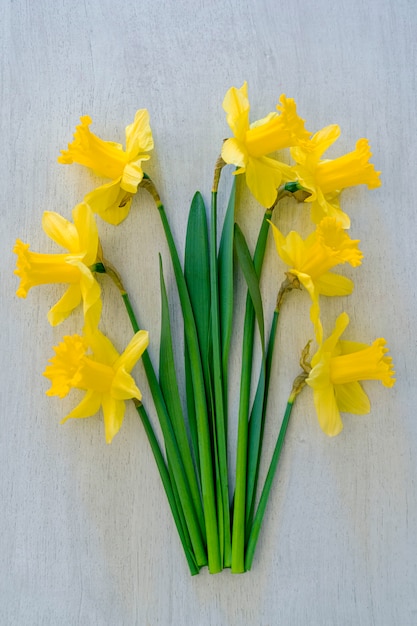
[252, 280]
[169, 386]
[197, 271]
[225, 269]
[197, 277]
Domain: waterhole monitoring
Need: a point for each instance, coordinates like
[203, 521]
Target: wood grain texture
[86, 536]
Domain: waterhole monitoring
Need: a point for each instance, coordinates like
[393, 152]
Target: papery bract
[337, 367]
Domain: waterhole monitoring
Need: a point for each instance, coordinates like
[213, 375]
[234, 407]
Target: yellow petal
[330, 284]
[89, 405]
[139, 135]
[87, 230]
[263, 177]
[233, 153]
[61, 231]
[327, 411]
[103, 349]
[236, 105]
[90, 291]
[294, 251]
[64, 307]
[324, 138]
[110, 202]
[351, 398]
[132, 175]
[134, 350]
[124, 386]
[113, 413]
[323, 354]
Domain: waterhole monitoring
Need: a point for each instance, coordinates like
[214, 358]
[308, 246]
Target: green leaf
[197, 271]
[169, 386]
[225, 269]
[252, 280]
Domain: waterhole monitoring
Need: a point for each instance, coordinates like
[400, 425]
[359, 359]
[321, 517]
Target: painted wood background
[86, 537]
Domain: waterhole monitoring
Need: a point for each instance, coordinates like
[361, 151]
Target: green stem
[260, 512]
[257, 424]
[257, 420]
[204, 439]
[219, 399]
[166, 481]
[173, 453]
[239, 513]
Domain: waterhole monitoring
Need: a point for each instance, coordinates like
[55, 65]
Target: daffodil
[325, 179]
[311, 260]
[81, 240]
[92, 363]
[337, 367]
[112, 201]
[251, 143]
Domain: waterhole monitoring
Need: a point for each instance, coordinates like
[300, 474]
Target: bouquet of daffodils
[218, 522]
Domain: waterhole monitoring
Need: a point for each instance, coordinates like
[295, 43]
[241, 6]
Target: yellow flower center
[104, 157]
[71, 367]
[35, 268]
[65, 364]
[368, 364]
[348, 170]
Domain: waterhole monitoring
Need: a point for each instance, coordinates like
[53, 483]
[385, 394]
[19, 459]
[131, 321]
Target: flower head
[251, 144]
[337, 367]
[108, 159]
[325, 179]
[91, 363]
[311, 260]
[82, 242]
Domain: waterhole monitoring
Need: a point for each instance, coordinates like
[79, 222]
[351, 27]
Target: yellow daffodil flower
[82, 242]
[91, 363]
[311, 260]
[325, 179]
[108, 159]
[251, 144]
[337, 367]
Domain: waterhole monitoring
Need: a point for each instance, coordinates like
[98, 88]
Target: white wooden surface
[86, 537]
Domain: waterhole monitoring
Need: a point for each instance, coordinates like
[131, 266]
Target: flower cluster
[279, 158]
[105, 376]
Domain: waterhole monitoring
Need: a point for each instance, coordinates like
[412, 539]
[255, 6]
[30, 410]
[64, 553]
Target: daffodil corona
[92, 363]
[251, 144]
[311, 260]
[325, 179]
[82, 242]
[337, 368]
[108, 159]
